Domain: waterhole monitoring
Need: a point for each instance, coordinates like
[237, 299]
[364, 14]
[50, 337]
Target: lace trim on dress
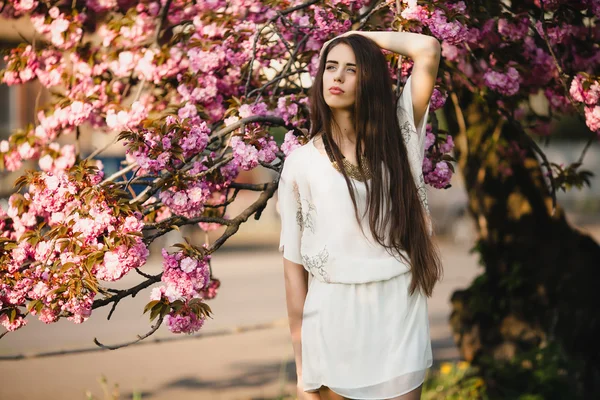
[316, 264]
[304, 219]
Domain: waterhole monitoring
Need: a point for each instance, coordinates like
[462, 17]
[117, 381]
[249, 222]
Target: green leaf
[12, 315]
[63, 246]
[195, 301]
[150, 305]
[69, 265]
[165, 310]
[154, 313]
[20, 182]
[32, 304]
[206, 310]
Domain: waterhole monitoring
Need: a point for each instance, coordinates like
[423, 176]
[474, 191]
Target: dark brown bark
[539, 283]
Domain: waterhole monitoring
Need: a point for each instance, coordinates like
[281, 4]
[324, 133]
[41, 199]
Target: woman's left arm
[425, 52]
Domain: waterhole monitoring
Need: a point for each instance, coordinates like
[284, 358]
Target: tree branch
[139, 338]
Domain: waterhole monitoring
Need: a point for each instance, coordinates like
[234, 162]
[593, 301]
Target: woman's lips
[336, 91]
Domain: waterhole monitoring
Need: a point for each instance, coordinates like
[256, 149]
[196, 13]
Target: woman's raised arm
[425, 52]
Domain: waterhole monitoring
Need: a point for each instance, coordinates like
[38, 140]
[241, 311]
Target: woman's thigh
[412, 395]
[328, 394]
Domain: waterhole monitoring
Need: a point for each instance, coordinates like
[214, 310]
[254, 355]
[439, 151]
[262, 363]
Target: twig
[249, 186]
[149, 191]
[259, 32]
[147, 276]
[274, 80]
[254, 118]
[139, 339]
[257, 206]
[226, 203]
[181, 221]
[373, 8]
[120, 172]
[591, 140]
[100, 150]
[129, 292]
[290, 62]
[112, 309]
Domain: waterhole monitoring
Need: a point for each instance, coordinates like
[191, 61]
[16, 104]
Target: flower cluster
[504, 83]
[57, 158]
[161, 147]
[131, 29]
[126, 119]
[64, 30]
[24, 6]
[185, 278]
[289, 108]
[21, 65]
[437, 169]
[189, 199]
[58, 239]
[586, 89]
[328, 24]
[256, 145]
[248, 154]
[451, 31]
[514, 30]
[290, 143]
[438, 99]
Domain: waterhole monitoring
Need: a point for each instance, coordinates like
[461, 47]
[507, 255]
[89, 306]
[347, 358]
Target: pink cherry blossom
[188, 323]
[592, 118]
[290, 143]
[505, 83]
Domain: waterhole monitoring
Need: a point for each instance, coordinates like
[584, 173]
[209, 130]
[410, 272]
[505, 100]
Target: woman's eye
[349, 69]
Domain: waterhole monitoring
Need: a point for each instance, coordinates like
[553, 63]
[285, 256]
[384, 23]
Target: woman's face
[340, 71]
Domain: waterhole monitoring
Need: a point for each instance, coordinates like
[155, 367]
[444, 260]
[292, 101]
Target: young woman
[355, 221]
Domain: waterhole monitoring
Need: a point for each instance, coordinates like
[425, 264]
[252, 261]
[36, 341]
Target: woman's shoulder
[298, 158]
[302, 151]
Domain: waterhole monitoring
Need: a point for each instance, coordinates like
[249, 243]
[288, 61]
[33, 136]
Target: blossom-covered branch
[196, 92]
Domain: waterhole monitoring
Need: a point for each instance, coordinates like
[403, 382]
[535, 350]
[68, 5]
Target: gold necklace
[351, 170]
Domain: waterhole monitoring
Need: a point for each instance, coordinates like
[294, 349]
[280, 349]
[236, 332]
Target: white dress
[363, 335]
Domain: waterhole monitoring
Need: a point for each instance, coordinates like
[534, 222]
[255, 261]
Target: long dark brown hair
[397, 219]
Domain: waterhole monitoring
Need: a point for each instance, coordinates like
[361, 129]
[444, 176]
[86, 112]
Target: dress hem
[370, 398]
[429, 365]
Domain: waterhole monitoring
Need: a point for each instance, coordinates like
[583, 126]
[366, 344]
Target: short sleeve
[414, 139]
[290, 212]
[414, 136]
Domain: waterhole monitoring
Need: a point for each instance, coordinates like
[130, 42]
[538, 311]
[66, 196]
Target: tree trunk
[538, 288]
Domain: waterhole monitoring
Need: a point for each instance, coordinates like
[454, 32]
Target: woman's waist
[331, 266]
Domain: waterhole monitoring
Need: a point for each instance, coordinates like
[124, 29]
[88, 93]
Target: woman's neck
[345, 134]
